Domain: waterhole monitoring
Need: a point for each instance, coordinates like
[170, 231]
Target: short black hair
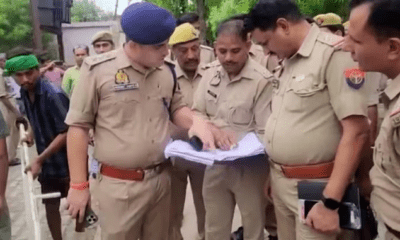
[188, 18]
[266, 12]
[85, 47]
[384, 19]
[233, 26]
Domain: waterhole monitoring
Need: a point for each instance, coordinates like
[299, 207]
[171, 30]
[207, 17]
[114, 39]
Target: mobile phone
[90, 219]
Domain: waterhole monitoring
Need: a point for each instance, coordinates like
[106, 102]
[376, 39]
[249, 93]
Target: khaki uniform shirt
[310, 99]
[385, 175]
[3, 90]
[372, 82]
[257, 54]
[241, 104]
[128, 107]
[189, 86]
[206, 55]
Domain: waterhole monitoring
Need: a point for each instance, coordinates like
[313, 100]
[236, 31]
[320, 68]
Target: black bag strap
[172, 68]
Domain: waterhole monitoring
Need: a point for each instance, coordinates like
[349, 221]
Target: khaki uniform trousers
[284, 193]
[132, 210]
[5, 225]
[241, 183]
[180, 172]
[13, 139]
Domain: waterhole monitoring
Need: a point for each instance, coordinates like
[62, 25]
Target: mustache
[192, 61]
[229, 63]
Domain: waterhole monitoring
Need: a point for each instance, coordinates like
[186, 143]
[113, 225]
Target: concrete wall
[81, 33]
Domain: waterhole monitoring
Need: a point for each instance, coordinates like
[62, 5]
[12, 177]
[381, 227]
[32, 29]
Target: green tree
[15, 24]
[314, 7]
[88, 11]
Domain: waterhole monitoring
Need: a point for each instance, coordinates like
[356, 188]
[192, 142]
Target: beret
[102, 36]
[147, 24]
[184, 33]
[328, 19]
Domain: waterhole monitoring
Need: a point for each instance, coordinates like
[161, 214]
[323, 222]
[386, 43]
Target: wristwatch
[330, 203]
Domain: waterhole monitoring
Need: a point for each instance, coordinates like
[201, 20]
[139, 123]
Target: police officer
[235, 94]
[374, 41]
[318, 124]
[128, 96]
[103, 42]
[331, 23]
[185, 46]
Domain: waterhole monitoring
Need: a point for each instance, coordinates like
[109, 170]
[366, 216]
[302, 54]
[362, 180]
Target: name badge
[124, 87]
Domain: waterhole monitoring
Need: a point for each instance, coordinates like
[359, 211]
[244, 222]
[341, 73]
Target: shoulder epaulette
[216, 63]
[92, 61]
[207, 48]
[329, 39]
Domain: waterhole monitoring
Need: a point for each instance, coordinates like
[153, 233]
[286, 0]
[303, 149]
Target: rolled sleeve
[177, 101]
[84, 100]
[345, 100]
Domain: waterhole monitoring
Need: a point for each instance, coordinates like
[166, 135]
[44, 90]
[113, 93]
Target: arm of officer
[348, 100]
[5, 100]
[80, 118]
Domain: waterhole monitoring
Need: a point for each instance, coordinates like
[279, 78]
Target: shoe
[14, 162]
[238, 234]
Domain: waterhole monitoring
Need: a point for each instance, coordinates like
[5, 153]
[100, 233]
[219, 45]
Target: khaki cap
[184, 33]
[103, 36]
[328, 19]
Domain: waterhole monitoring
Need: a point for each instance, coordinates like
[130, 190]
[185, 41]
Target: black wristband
[330, 203]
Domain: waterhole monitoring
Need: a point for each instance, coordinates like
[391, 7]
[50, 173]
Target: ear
[283, 24]
[394, 49]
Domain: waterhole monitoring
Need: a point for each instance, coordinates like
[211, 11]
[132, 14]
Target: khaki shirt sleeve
[177, 101]
[262, 107]
[199, 100]
[84, 100]
[3, 91]
[345, 100]
[4, 131]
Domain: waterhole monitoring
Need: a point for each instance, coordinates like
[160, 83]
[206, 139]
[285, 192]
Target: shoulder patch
[92, 61]
[329, 39]
[355, 78]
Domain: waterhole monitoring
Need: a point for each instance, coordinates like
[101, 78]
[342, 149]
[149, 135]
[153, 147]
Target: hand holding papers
[249, 146]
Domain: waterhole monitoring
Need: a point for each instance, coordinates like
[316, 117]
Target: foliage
[177, 7]
[16, 27]
[314, 7]
[87, 11]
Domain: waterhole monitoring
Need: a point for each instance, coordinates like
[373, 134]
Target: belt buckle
[141, 172]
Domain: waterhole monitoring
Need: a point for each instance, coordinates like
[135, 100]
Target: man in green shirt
[71, 76]
[5, 224]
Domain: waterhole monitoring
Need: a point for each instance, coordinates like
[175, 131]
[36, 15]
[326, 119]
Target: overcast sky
[109, 5]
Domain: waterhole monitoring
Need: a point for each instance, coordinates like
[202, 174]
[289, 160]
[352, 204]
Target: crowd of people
[320, 94]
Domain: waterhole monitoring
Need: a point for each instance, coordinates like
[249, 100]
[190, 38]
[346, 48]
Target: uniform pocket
[303, 94]
[126, 104]
[240, 116]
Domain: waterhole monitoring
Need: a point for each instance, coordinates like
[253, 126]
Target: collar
[180, 73]
[393, 89]
[245, 73]
[122, 61]
[308, 44]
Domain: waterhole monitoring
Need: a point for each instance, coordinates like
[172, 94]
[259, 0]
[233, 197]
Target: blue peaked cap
[147, 24]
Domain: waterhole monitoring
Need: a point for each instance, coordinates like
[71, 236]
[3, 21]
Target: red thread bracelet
[79, 186]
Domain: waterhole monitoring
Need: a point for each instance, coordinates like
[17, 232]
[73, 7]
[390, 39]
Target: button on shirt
[310, 100]
[128, 107]
[385, 175]
[241, 104]
[47, 115]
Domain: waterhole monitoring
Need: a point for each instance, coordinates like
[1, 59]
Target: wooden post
[37, 36]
